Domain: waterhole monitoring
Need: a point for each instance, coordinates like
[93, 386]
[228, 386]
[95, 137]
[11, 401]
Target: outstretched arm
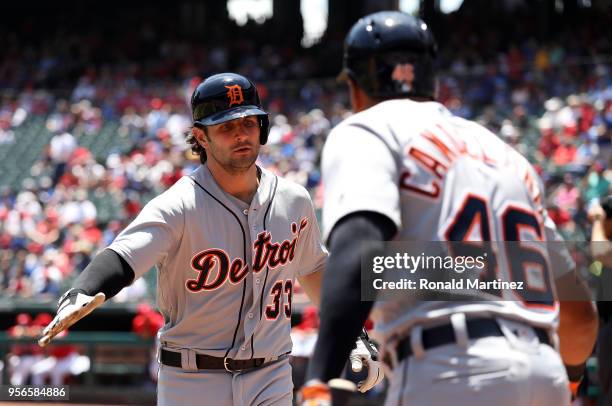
[102, 279]
[342, 312]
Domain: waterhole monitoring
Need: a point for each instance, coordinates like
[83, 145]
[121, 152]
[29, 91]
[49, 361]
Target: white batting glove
[365, 353]
[72, 307]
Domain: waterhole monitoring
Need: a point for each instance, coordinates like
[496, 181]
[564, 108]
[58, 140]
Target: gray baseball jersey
[225, 268]
[438, 177]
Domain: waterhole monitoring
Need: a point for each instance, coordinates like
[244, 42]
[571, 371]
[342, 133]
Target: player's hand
[314, 393]
[366, 354]
[72, 306]
[596, 213]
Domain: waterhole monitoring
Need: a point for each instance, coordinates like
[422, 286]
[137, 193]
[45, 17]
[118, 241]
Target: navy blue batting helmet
[391, 54]
[228, 96]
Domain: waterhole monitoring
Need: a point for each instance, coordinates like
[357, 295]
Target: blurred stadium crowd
[79, 161]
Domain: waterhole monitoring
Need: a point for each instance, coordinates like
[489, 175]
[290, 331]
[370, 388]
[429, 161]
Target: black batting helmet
[391, 54]
[228, 96]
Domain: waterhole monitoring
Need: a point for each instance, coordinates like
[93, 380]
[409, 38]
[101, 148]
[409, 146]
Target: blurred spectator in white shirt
[60, 150]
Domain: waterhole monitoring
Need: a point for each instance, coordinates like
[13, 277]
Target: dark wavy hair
[196, 148]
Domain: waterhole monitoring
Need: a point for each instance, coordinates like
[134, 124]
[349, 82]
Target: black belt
[445, 334]
[203, 361]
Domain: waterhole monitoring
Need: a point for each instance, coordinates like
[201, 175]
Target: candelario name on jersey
[454, 284]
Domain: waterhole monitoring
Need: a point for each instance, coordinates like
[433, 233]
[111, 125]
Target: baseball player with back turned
[228, 241]
[404, 168]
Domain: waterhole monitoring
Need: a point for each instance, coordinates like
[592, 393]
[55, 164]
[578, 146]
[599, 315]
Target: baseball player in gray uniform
[404, 168]
[228, 242]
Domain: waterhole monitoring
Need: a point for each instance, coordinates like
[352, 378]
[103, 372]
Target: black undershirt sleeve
[108, 273]
[342, 313]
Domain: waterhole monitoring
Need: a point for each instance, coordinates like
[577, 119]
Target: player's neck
[241, 185]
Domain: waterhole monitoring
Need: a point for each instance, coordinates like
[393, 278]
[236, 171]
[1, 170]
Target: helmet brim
[231, 114]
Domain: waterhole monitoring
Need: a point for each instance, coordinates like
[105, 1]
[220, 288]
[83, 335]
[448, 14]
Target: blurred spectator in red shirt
[23, 356]
[549, 142]
[146, 324]
[62, 360]
[565, 153]
[559, 217]
[147, 321]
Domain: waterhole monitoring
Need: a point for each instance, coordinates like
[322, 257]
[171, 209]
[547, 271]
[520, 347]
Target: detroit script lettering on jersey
[265, 252]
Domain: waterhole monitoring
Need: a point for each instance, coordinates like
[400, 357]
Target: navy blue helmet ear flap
[391, 54]
[228, 96]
